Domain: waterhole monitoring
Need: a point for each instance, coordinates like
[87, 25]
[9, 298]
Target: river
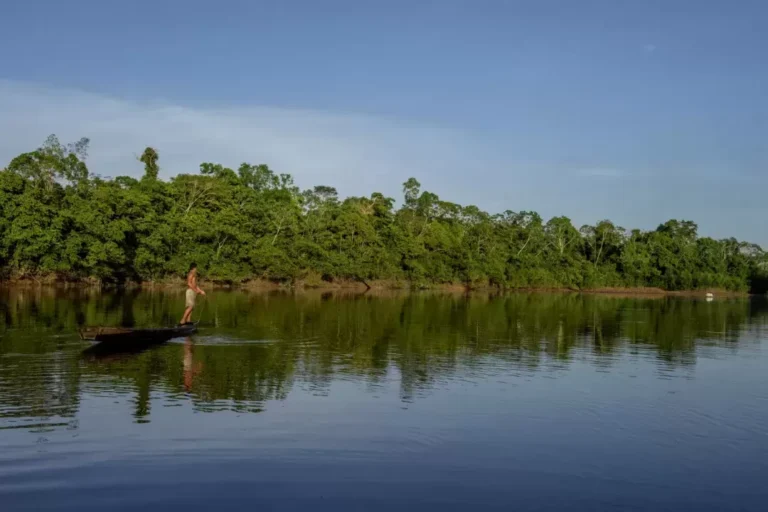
[384, 402]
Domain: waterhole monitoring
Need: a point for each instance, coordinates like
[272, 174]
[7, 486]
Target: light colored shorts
[191, 296]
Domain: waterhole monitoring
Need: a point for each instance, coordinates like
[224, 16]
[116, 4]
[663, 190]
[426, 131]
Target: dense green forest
[57, 220]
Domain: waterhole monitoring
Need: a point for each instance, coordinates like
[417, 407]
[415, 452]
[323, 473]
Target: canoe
[129, 335]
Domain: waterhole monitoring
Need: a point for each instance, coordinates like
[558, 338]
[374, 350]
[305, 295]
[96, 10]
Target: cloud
[356, 153]
[649, 48]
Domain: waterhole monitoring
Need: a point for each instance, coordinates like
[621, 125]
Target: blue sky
[634, 111]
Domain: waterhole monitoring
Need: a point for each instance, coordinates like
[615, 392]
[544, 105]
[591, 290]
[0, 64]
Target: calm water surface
[421, 402]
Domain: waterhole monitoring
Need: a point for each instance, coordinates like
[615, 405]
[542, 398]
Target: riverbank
[370, 286]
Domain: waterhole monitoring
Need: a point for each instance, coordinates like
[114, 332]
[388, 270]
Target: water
[422, 402]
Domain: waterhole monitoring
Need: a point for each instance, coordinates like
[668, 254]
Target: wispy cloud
[355, 153]
[649, 48]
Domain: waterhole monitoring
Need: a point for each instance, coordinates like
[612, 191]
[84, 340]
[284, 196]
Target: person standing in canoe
[192, 291]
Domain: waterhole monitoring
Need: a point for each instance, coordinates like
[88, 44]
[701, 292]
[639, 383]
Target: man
[192, 291]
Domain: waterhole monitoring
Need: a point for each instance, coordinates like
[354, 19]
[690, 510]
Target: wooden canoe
[129, 335]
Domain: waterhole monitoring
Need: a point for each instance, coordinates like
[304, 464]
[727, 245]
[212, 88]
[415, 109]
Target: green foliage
[151, 168]
[252, 223]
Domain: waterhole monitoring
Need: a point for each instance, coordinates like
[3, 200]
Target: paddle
[205, 303]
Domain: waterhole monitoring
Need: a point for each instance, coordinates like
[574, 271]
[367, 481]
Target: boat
[123, 335]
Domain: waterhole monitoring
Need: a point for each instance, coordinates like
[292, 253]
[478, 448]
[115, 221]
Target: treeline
[58, 220]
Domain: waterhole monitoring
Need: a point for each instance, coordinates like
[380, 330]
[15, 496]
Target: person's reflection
[190, 368]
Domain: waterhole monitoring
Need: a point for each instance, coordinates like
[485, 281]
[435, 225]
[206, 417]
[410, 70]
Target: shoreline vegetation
[253, 228]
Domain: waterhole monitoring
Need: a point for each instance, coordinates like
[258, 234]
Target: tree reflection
[254, 347]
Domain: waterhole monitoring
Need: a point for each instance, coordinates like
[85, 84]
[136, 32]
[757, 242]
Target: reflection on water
[252, 348]
[335, 379]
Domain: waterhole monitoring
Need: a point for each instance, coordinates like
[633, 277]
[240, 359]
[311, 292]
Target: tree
[149, 158]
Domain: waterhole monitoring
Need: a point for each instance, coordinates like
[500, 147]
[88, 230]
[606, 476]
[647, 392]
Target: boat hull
[121, 336]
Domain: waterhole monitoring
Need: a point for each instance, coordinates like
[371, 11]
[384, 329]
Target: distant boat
[123, 335]
[710, 295]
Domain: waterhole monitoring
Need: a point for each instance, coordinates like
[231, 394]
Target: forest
[60, 222]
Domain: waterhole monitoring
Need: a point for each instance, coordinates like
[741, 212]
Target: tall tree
[149, 158]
